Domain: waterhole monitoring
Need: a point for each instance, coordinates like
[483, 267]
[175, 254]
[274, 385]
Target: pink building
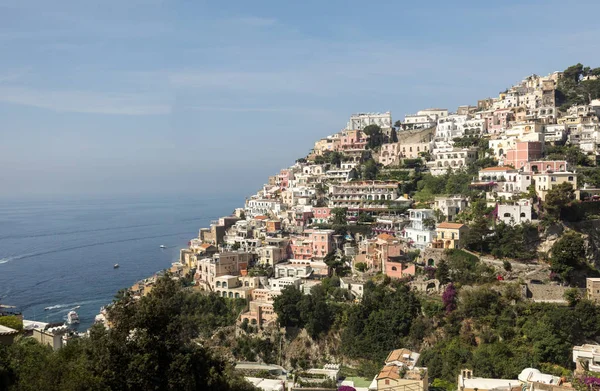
[542, 167]
[284, 178]
[321, 215]
[498, 120]
[303, 218]
[399, 270]
[523, 152]
[301, 248]
[322, 241]
[315, 244]
[389, 153]
[353, 139]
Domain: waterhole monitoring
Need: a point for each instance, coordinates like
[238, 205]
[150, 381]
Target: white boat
[72, 317]
[116, 266]
[163, 246]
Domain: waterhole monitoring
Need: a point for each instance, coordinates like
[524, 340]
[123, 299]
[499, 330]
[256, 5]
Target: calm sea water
[60, 253]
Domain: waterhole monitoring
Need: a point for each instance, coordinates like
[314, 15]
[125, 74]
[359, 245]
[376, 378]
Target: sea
[57, 254]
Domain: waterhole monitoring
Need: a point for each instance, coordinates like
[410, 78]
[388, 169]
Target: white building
[453, 159]
[450, 206]
[342, 175]
[293, 268]
[587, 356]
[555, 133]
[416, 233]
[451, 126]
[360, 121]
[356, 287]
[516, 214]
[357, 194]
[284, 282]
[259, 207]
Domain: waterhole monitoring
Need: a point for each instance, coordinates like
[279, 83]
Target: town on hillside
[440, 250]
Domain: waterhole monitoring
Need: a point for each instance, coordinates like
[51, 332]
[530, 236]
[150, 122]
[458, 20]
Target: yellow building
[593, 289]
[448, 235]
[545, 182]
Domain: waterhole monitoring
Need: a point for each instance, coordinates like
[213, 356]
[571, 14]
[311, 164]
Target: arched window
[224, 294]
[523, 214]
[224, 285]
[430, 262]
[230, 295]
[394, 268]
[237, 295]
[246, 283]
[218, 284]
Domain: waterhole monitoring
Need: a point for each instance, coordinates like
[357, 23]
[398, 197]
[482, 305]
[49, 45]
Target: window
[394, 268]
[387, 382]
[570, 179]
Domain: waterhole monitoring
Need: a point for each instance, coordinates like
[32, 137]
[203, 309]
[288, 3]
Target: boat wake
[59, 250]
[6, 260]
[55, 307]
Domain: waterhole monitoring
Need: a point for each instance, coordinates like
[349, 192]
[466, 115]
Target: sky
[199, 97]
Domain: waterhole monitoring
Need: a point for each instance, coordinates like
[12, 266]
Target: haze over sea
[60, 252]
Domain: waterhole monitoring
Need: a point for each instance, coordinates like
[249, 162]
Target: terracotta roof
[385, 237]
[500, 168]
[389, 371]
[260, 218]
[205, 245]
[450, 225]
[397, 355]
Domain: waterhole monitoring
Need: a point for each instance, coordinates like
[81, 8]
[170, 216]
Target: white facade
[451, 126]
[360, 121]
[474, 127]
[424, 118]
[284, 282]
[452, 159]
[262, 207]
[555, 133]
[293, 268]
[355, 287]
[450, 206]
[515, 214]
[339, 175]
[416, 233]
[355, 194]
[589, 354]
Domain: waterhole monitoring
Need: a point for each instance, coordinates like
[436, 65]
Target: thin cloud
[85, 102]
[253, 21]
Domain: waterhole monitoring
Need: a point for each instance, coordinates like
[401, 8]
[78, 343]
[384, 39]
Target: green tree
[568, 253]
[369, 170]
[572, 296]
[287, 308]
[365, 218]
[393, 136]
[477, 237]
[442, 272]
[339, 216]
[557, 198]
[11, 321]
[376, 136]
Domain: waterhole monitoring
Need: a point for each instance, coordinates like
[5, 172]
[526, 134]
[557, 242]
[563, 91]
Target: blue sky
[160, 96]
